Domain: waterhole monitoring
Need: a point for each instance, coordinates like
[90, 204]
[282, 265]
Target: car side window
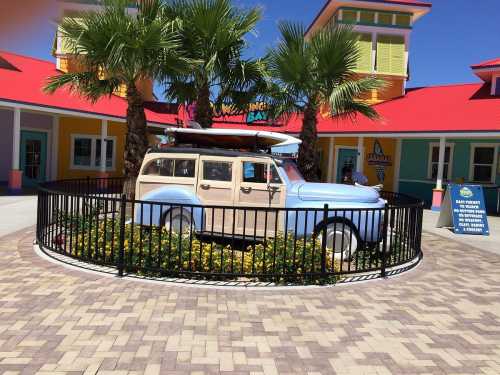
[170, 168]
[217, 170]
[275, 177]
[184, 168]
[254, 172]
[258, 173]
[159, 167]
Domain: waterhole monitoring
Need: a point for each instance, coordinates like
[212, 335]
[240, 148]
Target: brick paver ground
[442, 318]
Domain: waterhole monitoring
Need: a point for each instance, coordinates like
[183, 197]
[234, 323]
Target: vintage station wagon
[229, 192]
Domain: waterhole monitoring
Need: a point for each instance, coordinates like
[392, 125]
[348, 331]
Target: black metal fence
[90, 219]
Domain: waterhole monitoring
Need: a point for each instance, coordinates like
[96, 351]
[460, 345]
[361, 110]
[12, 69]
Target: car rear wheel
[178, 220]
[341, 237]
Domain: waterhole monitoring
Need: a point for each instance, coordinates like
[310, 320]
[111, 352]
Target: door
[216, 176]
[260, 185]
[33, 156]
[347, 158]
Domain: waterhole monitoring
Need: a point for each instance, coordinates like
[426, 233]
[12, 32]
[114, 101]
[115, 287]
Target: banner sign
[464, 208]
[379, 160]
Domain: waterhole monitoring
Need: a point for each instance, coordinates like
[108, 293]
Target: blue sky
[456, 34]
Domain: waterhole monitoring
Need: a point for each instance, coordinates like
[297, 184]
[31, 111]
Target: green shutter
[391, 54]
[349, 16]
[367, 17]
[398, 55]
[65, 47]
[384, 54]
[385, 18]
[403, 20]
[365, 53]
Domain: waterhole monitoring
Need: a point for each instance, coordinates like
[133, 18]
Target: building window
[432, 169]
[364, 44]
[86, 152]
[391, 54]
[483, 161]
[367, 17]
[109, 153]
[82, 152]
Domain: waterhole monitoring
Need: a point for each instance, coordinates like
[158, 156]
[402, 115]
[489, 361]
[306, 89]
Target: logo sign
[255, 116]
[379, 160]
[465, 208]
[256, 112]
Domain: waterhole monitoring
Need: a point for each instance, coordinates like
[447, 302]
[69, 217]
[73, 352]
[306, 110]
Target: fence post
[323, 240]
[384, 241]
[121, 244]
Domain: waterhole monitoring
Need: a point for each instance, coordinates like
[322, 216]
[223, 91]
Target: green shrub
[154, 251]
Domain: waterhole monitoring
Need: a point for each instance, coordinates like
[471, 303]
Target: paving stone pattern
[441, 318]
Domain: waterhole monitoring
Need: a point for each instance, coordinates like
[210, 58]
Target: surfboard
[231, 138]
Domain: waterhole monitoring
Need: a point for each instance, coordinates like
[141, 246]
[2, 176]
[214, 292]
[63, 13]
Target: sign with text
[464, 208]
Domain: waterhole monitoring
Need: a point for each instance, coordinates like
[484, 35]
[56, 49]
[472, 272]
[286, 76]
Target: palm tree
[307, 74]
[118, 46]
[213, 34]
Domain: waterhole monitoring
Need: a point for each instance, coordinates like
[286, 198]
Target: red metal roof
[439, 109]
[24, 86]
[487, 64]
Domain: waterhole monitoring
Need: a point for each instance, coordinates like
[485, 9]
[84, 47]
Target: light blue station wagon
[228, 193]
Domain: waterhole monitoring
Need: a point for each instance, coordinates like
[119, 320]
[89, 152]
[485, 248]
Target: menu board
[464, 208]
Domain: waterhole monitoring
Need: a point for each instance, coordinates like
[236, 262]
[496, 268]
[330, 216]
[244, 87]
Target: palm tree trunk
[308, 161]
[204, 112]
[136, 143]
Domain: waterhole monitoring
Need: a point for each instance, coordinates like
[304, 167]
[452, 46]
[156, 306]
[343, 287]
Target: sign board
[379, 160]
[464, 209]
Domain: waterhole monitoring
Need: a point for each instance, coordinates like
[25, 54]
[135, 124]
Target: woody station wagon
[228, 192]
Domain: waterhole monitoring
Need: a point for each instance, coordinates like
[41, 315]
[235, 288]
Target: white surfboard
[232, 138]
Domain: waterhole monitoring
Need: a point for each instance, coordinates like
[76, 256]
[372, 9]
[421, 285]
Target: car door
[216, 178]
[259, 185]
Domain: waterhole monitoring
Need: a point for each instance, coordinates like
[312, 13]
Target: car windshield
[292, 171]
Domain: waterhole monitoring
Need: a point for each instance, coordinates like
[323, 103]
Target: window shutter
[391, 54]
[365, 53]
[385, 19]
[384, 54]
[367, 17]
[349, 16]
[403, 20]
[398, 55]
[64, 48]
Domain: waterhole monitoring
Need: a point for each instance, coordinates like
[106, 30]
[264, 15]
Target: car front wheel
[341, 237]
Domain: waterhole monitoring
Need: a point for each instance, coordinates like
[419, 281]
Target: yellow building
[62, 135]
[384, 28]
[47, 137]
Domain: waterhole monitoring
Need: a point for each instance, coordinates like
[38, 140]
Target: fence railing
[89, 219]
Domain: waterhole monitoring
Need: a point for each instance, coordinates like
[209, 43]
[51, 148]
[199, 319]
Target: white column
[104, 135]
[374, 49]
[442, 149]
[397, 165]
[331, 156]
[16, 139]
[55, 146]
[361, 155]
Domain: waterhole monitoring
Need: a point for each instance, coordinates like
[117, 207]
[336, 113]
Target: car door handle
[205, 186]
[274, 189]
[245, 189]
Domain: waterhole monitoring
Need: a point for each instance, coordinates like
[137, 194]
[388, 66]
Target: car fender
[153, 207]
[365, 217]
